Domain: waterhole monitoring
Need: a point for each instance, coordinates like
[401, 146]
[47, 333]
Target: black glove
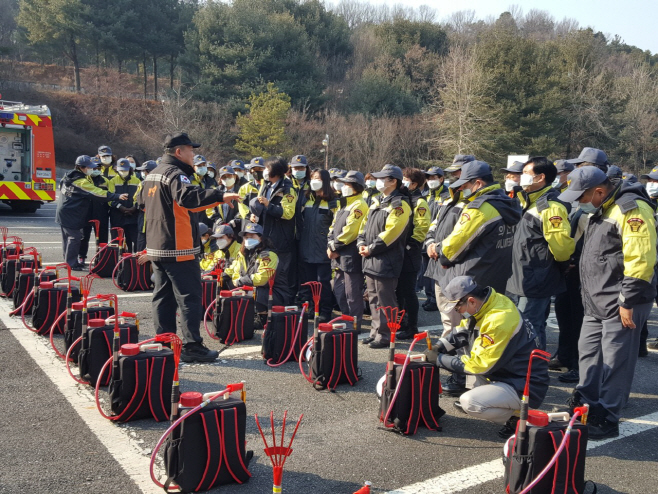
[431, 356]
[440, 347]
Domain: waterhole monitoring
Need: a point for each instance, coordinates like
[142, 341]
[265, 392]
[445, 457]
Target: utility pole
[325, 143]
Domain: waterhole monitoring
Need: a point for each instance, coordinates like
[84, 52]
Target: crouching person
[500, 343]
[254, 266]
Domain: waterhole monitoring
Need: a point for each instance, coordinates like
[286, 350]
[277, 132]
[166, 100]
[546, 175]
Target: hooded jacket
[542, 242]
[120, 185]
[435, 198]
[619, 253]
[384, 231]
[480, 244]
[76, 191]
[170, 206]
[501, 342]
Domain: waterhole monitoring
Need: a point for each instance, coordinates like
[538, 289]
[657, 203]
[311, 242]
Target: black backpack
[141, 382]
[96, 348]
[235, 318]
[105, 260]
[208, 448]
[418, 398]
[132, 276]
[74, 328]
[49, 304]
[208, 292]
[335, 360]
[281, 342]
[568, 474]
[24, 284]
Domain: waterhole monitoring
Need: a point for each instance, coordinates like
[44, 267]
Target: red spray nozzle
[365, 489]
[232, 388]
[132, 315]
[420, 336]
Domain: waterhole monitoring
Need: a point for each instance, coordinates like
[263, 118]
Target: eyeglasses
[461, 302]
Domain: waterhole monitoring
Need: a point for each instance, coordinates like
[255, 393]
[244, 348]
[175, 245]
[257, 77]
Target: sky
[633, 20]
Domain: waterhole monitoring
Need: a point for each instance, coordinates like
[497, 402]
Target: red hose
[52, 332]
[69, 359]
[294, 339]
[229, 389]
[301, 366]
[205, 320]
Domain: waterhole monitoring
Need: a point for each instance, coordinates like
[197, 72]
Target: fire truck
[27, 156]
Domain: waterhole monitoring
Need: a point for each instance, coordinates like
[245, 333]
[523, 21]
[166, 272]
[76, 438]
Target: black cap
[180, 139]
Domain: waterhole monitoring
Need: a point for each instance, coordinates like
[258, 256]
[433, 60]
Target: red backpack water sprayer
[139, 385]
[131, 276]
[107, 257]
[205, 445]
[278, 454]
[281, 341]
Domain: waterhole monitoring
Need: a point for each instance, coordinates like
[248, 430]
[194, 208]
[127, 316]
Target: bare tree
[464, 113]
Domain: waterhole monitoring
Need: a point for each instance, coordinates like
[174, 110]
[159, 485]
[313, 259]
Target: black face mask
[258, 176]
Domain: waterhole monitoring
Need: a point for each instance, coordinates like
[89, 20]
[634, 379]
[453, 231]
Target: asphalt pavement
[55, 441]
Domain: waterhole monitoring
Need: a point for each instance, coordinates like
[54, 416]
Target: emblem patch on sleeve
[635, 224]
[290, 197]
[487, 340]
[184, 179]
[266, 261]
[465, 217]
[421, 212]
[556, 221]
[398, 211]
[358, 213]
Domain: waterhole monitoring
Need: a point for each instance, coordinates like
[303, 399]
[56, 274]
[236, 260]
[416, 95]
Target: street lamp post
[325, 143]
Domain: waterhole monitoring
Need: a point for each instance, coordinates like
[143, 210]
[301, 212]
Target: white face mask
[133, 165]
[239, 174]
[266, 174]
[446, 183]
[222, 243]
[96, 172]
[406, 183]
[433, 184]
[316, 185]
[527, 180]
[652, 189]
[299, 174]
[123, 173]
[88, 171]
[510, 184]
[556, 182]
[336, 186]
[201, 170]
[380, 184]
[371, 183]
[211, 174]
[106, 160]
[228, 182]
[466, 193]
[250, 177]
[346, 191]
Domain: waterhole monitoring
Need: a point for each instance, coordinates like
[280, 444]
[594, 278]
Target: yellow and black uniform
[500, 343]
[480, 243]
[123, 214]
[252, 268]
[73, 210]
[348, 279]
[541, 242]
[99, 211]
[384, 232]
[369, 195]
[406, 288]
[229, 255]
[247, 192]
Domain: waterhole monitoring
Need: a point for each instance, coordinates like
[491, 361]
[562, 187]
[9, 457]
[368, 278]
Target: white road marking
[132, 458]
[240, 350]
[470, 477]
[135, 295]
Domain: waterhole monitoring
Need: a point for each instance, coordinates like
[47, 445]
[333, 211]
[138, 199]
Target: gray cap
[517, 167]
[252, 228]
[199, 160]
[457, 289]
[435, 170]
[459, 161]
[237, 164]
[258, 161]
[471, 170]
[203, 229]
[629, 178]
[614, 172]
[123, 165]
[299, 160]
[85, 162]
[653, 174]
[104, 151]
[226, 170]
[590, 155]
[389, 171]
[580, 180]
[563, 166]
[149, 165]
[353, 177]
[221, 230]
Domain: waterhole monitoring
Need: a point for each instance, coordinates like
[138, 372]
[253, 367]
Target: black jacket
[76, 191]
